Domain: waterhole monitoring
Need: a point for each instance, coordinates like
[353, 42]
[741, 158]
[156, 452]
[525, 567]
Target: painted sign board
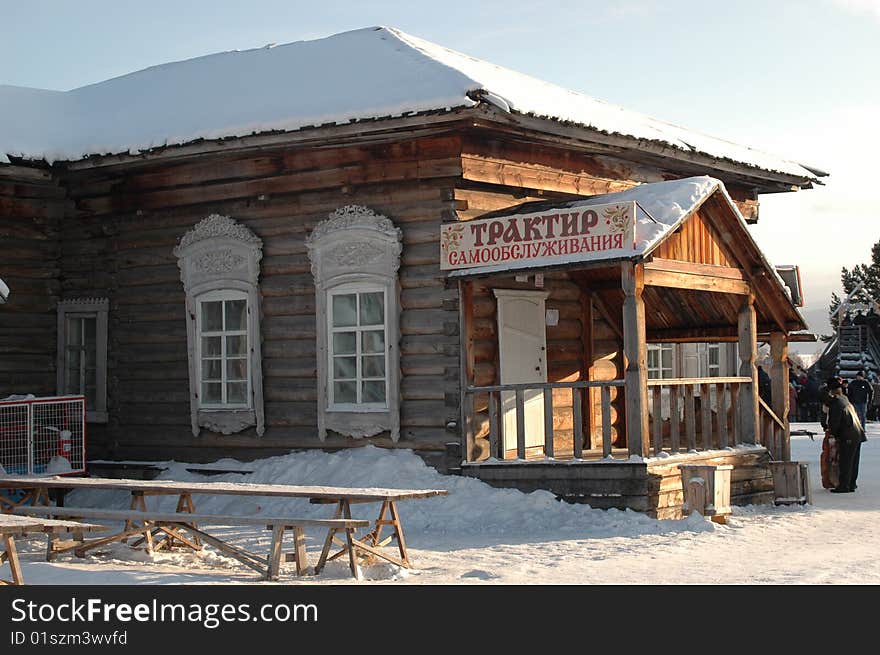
[541, 238]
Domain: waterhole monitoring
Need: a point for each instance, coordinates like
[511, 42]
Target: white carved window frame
[220, 255]
[96, 308]
[357, 248]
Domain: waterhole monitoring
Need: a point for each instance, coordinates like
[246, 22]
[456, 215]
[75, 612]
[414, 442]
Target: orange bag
[828, 462]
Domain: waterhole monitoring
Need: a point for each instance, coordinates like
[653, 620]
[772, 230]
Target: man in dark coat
[860, 392]
[844, 426]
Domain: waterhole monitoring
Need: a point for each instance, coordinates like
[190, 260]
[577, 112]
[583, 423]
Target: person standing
[846, 429]
[860, 393]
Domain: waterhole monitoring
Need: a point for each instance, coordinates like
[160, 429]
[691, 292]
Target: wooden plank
[689, 417]
[494, 441]
[748, 397]
[674, 419]
[721, 396]
[657, 413]
[693, 281]
[548, 423]
[734, 403]
[520, 425]
[12, 557]
[706, 415]
[274, 567]
[577, 410]
[606, 421]
[299, 549]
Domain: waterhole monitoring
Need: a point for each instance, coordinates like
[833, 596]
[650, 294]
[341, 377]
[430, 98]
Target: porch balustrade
[685, 415]
[771, 432]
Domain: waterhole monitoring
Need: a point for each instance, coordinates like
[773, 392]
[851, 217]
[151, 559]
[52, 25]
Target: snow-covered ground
[478, 534]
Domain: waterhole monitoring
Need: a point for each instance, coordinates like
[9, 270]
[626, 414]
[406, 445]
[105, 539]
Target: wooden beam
[779, 386]
[695, 282]
[748, 396]
[692, 268]
[635, 350]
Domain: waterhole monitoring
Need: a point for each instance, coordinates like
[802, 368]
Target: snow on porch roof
[363, 74]
[660, 208]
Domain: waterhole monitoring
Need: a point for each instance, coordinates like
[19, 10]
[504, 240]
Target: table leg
[299, 548]
[275, 553]
[12, 556]
[325, 551]
[349, 542]
[398, 531]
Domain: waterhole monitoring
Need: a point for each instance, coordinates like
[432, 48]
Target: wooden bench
[15, 526]
[151, 523]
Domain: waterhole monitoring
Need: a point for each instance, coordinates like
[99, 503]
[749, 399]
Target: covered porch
[556, 392]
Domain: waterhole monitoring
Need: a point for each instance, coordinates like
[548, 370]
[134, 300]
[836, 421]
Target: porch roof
[661, 208]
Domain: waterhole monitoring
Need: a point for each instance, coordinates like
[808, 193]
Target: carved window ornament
[219, 262]
[355, 255]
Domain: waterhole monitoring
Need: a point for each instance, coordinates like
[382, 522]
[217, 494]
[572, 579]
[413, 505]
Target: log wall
[120, 246]
[31, 208]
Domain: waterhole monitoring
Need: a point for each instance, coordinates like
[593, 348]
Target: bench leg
[299, 545]
[349, 536]
[275, 553]
[398, 531]
[12, 556]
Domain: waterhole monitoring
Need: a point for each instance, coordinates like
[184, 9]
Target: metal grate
[43, 436]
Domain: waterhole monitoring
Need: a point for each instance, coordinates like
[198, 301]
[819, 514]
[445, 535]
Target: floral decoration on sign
[451, 239]
[617, 218]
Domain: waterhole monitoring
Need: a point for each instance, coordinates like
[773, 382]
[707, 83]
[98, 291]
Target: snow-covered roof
[363, 74]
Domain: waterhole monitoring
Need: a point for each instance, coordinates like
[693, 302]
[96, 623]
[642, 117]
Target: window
[224, 370]
[219, 262]
[659, 361]
[355, 255]
[710, 359]
[82, 354]
[358, 353]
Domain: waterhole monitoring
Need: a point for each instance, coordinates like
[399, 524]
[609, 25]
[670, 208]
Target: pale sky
[792, 77]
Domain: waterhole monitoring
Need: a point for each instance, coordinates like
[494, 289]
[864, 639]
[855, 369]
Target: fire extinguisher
[64, 444]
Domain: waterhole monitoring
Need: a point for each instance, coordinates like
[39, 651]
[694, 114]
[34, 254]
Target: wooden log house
[241, 291]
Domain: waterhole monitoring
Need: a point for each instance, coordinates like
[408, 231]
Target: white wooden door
[522, 344]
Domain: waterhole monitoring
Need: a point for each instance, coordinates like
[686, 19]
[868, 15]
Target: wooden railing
[770, 432]
[685, 415]
[519, 391]
[694, 414]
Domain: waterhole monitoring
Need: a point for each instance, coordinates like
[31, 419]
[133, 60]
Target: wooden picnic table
[368, 545]
[15, 526]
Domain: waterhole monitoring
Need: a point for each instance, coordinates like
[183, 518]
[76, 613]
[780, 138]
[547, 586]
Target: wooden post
[590, 394]
[779, 389]
[635, 349]
[465, 317]
[748, 347]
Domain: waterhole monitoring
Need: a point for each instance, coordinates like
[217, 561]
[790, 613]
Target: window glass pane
[372, 308]
[344, 368]
[373, 341]
[667, 357]
[211, 346]
[74, 331]
[89, 330]
[236, 369]
[713, 356]
[236, 392]
[91, 378]
[373, 367]
[211, 369]
[236, 316]
[344, 343]
[91, 357]
[71, 380]
[73, 358]
[345, 392]
[345, 310]
[373, 391]
[236, 346]
[211, 393]
[212, 316]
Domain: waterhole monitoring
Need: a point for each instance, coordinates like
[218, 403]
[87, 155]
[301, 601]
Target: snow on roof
[368, 73]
